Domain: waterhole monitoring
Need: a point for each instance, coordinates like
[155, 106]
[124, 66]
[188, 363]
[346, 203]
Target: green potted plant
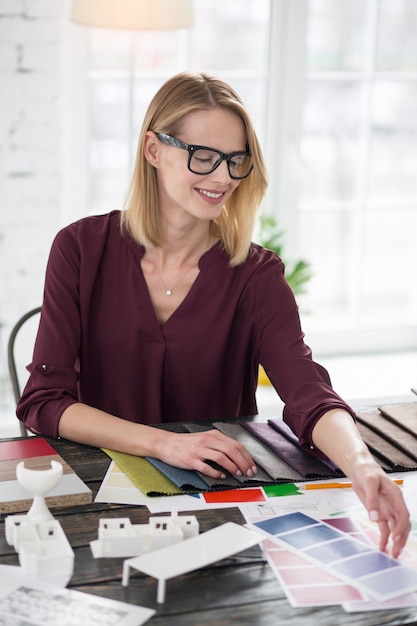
[297, 272]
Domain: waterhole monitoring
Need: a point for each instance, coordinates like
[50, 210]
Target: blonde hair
[180, 95]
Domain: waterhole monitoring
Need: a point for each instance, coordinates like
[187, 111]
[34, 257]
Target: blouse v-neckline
[212, 255]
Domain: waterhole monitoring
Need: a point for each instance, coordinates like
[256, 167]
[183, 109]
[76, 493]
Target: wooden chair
[12, 356]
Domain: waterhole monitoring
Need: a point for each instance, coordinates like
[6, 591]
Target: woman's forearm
[85, 424]
[337, 436]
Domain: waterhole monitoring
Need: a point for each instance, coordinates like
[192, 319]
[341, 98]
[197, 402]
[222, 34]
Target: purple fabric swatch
[285, 431]
[308, 466]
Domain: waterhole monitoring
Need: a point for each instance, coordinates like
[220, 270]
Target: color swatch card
[408, 557]
[37, 454]
[375, 574]
[307, 584]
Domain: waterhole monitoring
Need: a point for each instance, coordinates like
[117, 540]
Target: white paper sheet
[25, 601]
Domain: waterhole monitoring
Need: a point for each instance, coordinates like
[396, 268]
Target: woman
[162, 312]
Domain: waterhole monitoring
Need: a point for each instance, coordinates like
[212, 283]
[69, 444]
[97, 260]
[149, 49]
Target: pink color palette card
[336, 561]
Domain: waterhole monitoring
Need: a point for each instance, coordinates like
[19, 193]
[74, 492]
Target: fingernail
[222, 475]
[373, 516]
[239, 473]
[254, 470]
[249, 473]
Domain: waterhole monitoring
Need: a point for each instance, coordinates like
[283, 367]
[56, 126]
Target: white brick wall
[32, 149]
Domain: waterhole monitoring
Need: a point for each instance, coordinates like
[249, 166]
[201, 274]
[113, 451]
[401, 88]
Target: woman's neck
[181, 251]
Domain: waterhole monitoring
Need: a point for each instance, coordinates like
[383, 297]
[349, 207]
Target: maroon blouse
[99, 341]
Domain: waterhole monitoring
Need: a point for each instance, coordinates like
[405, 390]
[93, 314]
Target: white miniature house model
[43, 548]
[199, 551]
[120, 538]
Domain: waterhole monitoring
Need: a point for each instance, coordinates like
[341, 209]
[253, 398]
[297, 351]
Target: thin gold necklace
[170, 290]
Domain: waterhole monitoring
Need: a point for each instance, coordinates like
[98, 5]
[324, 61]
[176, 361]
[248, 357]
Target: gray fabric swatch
[383, 449]
[390, 431]
[403, 415]
[274, 465]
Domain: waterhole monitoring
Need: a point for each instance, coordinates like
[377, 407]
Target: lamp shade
[133, 14]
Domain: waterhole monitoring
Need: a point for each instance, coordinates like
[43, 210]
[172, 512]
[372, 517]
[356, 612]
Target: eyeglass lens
[204, 161]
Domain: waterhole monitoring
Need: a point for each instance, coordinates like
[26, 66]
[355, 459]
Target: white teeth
[210, 194]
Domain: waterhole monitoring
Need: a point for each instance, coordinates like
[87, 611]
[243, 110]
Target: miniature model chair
[12, 357]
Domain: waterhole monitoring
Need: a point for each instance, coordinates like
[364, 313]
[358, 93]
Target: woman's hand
[336, 435]
[385, 505]
[195, 451]
[82, 423]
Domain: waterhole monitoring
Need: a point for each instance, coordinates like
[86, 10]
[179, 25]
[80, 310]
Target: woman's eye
[204, 159]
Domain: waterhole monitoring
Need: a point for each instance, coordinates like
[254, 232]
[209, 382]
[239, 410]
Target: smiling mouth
[211, 194]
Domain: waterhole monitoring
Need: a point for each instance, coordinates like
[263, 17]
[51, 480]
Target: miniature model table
[241, 590]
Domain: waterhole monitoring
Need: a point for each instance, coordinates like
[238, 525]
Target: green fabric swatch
[143, 474]
[286, 489]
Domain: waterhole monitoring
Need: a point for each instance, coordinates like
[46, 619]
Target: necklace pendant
[168, 292]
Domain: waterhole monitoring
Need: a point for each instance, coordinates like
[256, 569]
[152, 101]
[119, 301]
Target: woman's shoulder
[261, 258]
[95, 223]
[91, 228]
[258, 259]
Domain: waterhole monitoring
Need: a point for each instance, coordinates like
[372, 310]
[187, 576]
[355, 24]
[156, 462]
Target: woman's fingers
[398, 532]
[385, 504]
[228, 453]
[394, 523]
[204, 451]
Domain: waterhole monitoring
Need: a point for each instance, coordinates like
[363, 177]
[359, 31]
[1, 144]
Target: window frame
[284, 113]
[282, 135]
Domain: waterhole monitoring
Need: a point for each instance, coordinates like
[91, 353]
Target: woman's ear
[151, 148]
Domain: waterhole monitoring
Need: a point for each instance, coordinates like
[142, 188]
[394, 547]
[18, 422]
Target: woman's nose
[221, 173]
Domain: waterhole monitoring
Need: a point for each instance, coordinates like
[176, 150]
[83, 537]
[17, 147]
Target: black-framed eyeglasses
[203, 160]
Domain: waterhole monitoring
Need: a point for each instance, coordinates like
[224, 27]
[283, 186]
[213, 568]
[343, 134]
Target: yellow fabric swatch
[143, 474]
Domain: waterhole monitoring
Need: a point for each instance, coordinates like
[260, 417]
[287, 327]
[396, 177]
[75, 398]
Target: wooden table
[241, 590]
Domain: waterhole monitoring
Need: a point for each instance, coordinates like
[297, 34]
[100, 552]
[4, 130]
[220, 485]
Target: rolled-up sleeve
[303, 385]
[54, 371]
[49, 391]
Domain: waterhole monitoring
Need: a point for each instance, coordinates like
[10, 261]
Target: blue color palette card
[344, 556]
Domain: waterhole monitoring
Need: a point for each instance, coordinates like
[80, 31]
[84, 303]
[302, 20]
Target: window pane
[393, 165]
[109, 108]
[109, 146]
[389, 245]
[108, 188]
[327, 240]
[337, 32]
[230, 36]
[110, 49]
[397, 40]
[362, 270]
[357, 218]
[331, 140]
[158, 50]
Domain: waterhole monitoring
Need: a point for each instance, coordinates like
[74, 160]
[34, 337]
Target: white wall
[32, 36]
